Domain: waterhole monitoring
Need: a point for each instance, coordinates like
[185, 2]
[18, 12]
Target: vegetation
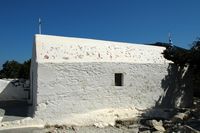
[182, 56]
[189, 58]
[13, 69]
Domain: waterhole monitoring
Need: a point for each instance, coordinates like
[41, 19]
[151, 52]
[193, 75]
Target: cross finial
[170, 39]
[40, 26]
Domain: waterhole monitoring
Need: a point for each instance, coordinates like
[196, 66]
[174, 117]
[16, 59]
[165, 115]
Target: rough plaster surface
[73, 80]
[68, 49]
[8, 91]
[81, 88]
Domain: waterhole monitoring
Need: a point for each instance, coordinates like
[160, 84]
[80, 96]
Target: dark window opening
[118, 79]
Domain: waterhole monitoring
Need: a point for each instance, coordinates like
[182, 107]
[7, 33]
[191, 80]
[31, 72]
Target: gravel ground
[186, 120]
[90, 129]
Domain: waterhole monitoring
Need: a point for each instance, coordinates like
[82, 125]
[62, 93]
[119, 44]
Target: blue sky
[135, 21]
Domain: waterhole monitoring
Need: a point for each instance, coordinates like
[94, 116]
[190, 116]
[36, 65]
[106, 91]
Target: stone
[187, 129]
[180, 117]
[196, 113]
[133, 126]
[2, 112]
[144, 128]
[146, 131]
[194, 123]
[163, 114]
[157, 132]
[158, 125]
[127, 122]
[134, 129]
[167, 124]
[100, 124]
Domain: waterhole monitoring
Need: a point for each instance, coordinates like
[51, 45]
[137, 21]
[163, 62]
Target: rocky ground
[183, 120]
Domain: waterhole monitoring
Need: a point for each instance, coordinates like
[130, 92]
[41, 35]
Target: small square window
[119, 79]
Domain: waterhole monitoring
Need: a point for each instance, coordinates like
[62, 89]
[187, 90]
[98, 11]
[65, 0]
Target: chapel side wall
[74, 88]
[76, 76]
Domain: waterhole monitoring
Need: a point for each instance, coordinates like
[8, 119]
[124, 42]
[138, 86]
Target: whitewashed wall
[73, 79]
[12, 91]
[79, 88]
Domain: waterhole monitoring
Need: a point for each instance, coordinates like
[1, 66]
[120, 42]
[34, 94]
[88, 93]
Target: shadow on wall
[13, 99]
[196, 86]
[178, 87]
[178, 92]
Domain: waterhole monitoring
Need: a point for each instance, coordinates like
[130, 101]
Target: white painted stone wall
[65, 49]
[11, 91]
[73, 79]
